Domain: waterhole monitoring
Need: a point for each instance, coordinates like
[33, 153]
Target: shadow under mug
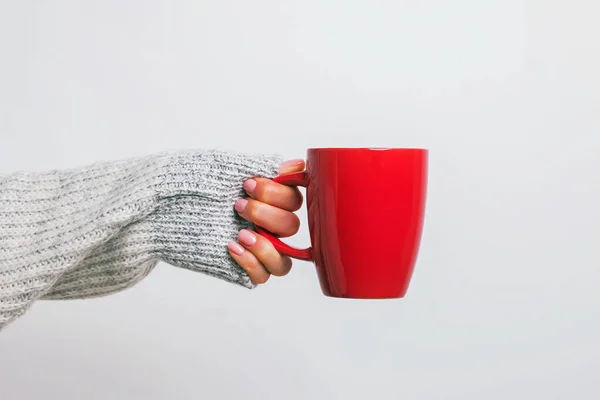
[365, 217]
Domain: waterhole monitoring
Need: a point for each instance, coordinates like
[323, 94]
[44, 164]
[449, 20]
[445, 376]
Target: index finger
[292, 166]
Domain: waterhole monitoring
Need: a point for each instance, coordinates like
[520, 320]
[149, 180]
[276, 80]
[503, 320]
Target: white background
[506, 94]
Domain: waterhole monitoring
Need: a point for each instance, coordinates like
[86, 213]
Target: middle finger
[281, 196]
[276, 220]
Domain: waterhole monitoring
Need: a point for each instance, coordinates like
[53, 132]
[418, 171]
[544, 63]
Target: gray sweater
[97, 230]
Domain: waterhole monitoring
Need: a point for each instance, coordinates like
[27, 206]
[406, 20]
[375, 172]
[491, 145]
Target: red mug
[366, 209]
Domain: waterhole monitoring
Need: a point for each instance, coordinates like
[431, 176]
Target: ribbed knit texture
[97, 230]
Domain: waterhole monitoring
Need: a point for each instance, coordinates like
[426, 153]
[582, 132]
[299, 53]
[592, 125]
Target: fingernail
[250, 185]
[240, 205]
[247, 237]
[236, 248]
[290, 163]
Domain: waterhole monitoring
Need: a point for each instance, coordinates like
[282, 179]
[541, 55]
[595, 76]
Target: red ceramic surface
[365, 216]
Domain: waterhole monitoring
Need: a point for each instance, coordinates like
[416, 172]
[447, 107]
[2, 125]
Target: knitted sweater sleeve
[100, 229]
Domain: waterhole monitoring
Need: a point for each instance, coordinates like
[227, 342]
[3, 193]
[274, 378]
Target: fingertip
[249, 186]
[240, 205]
[261, 279]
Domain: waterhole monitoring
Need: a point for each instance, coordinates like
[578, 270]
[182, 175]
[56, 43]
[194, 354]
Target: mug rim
[368, 149]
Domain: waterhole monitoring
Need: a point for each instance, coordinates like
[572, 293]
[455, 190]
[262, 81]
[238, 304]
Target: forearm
[96, 230]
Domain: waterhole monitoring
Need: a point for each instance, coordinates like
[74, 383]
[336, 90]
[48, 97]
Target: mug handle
[293, 179]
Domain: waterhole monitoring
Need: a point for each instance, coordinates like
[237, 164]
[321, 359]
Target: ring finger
[276, 220]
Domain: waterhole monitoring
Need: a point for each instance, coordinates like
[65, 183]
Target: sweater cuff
[214, 174]
[196, 219]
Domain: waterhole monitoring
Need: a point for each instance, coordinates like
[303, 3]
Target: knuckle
[279, 272]
[261, 279]
[299, 197]
[263, 248]
[299, 200]
[275, 267]
[252, 210]
[266, 190]
[284, 267]
[293, 225]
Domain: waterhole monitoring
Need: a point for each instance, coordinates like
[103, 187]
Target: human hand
[271, 206]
